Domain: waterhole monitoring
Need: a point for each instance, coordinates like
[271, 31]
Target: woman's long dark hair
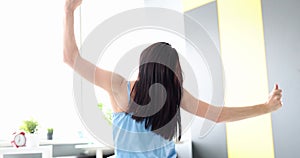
[157, 93]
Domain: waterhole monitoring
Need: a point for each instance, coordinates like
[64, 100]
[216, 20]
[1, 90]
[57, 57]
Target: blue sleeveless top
[133, 140]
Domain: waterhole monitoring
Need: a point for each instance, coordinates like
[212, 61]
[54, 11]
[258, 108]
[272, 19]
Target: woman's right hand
[71, 5]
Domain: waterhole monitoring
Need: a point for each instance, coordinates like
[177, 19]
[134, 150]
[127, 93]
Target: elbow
[69, 58]
[217, 115]
[221, 116]
[68, 61]
[219, 120]
[216, 120]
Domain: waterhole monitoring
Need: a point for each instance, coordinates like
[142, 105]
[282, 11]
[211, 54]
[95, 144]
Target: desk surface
[25, 149]
[46, 151]
[52, 142]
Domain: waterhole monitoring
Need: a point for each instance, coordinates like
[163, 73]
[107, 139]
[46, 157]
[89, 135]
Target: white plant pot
[32, 140]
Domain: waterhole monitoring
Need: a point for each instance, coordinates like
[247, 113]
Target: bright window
[34, 80]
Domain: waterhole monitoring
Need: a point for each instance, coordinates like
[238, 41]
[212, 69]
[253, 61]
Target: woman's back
[132, 139]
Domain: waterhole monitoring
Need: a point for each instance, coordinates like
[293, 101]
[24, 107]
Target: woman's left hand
[274, 101]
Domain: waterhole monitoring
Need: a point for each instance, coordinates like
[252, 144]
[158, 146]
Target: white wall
[34, 80]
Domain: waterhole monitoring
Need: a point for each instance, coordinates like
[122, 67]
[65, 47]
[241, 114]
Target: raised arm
[102, 78]
[229, 114]
[113, 83]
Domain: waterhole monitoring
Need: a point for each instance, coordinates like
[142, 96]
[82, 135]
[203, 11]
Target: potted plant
[31, 128]
[50, 133]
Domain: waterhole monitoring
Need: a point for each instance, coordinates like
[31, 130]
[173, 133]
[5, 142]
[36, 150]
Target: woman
[146, 112]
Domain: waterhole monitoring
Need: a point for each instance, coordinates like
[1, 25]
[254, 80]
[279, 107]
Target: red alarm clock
[19, 139]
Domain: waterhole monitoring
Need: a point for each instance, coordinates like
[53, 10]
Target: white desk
[99, 148]
[46, 151]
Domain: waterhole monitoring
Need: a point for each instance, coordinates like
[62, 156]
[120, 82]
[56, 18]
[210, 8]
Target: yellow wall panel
[243, 54]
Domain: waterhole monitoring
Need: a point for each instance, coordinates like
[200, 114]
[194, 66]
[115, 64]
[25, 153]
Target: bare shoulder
[119, 96]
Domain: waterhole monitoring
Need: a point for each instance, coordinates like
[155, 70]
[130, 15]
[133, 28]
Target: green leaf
[29, 126]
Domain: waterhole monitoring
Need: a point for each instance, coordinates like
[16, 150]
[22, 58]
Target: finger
[276, 86]
[280, 103]
[276, 92]
[278, 97]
